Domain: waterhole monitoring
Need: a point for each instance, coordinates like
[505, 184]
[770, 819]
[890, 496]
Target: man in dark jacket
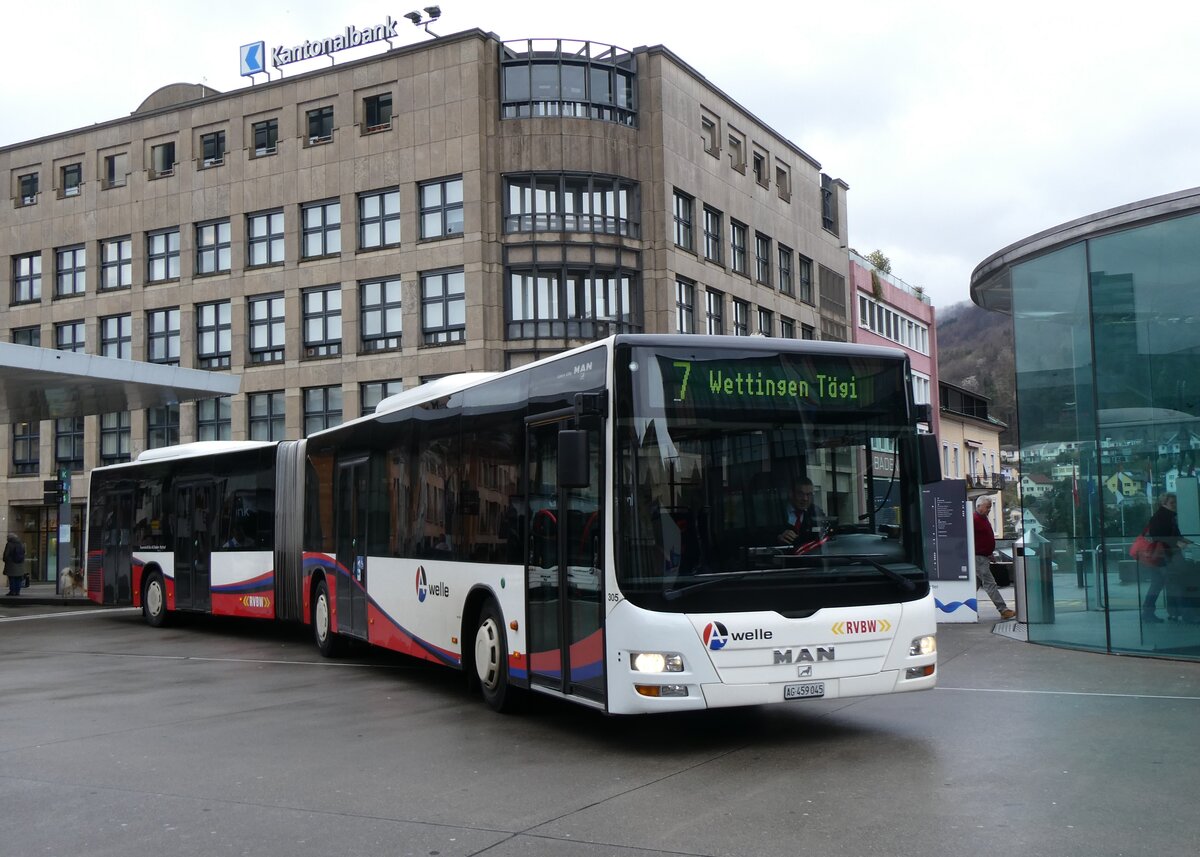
[985, 546]
[14, 564]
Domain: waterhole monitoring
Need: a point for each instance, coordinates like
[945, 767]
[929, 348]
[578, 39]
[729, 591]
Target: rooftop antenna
[434, 12]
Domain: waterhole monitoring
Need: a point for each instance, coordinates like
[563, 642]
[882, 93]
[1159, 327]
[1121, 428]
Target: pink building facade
[885, 310]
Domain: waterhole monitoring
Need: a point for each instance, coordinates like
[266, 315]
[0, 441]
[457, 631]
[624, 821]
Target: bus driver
[803, 515]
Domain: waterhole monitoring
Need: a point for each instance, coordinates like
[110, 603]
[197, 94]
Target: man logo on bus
[715, 636]
[422, 583]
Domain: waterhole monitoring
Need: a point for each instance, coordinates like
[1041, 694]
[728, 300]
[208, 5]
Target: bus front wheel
[328, 643]
[154, 601]
[491, 659]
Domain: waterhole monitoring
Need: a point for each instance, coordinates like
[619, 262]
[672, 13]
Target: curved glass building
[1106, 326]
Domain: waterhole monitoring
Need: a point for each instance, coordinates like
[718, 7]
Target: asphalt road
[219, 738]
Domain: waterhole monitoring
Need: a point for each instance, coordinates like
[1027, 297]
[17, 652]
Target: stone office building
[337, 235]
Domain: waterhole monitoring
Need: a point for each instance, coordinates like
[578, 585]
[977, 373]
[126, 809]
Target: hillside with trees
[975, 352]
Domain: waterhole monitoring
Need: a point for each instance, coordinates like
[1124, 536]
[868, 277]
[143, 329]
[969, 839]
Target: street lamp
[434, 12]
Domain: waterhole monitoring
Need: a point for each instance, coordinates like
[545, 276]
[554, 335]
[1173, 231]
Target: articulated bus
[605, 525]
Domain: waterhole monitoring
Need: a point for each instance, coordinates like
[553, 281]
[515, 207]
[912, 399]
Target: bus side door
[564, 575]
[195, 517]
[351, 543]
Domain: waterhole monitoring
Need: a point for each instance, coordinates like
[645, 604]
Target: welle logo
[424, 589]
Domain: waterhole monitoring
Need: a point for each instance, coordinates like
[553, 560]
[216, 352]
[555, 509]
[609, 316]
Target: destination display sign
[779, 382]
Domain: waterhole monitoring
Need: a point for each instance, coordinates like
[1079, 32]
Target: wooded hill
[975, 352]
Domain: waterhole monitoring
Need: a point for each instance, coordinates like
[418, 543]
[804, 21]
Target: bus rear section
[186, 528]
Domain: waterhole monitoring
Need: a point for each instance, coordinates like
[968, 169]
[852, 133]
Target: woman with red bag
[1163, 530]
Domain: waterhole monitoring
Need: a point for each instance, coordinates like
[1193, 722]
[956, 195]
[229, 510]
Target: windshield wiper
[905, 582]
[711, 579]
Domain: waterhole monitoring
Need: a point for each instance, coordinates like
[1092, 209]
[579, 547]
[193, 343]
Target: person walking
[1164, 530]
[985, 546]
[14, 564]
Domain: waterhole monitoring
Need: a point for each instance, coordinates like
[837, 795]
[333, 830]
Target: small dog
[73, 582]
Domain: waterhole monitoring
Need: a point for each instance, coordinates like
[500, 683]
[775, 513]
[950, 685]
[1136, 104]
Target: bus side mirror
[924, 414]
[573, 469]
[927, 452]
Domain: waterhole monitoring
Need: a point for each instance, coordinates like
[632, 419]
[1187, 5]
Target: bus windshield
[760, 479]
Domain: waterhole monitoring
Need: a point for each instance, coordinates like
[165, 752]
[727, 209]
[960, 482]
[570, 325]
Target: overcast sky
[960, 127]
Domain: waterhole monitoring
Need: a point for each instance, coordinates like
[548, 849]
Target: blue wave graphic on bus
[262, 583]
[954, 605]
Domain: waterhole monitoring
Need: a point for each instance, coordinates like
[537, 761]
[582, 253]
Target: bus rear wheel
[328, 642]
[154, 601]
[491, 659]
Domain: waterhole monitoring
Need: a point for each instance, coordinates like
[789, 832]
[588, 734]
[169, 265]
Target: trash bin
[1018, 579]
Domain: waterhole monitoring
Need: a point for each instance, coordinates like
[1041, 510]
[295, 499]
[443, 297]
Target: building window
[70, 271]
[787, 285]
[68, 444]
[714, 312]
[116, 263]
[162, 336]
[266, 418]
[685, 306]
[378, 219]
[737, 150]
[213, 253]
[442, 208]
[266, 137]
[27, 189]
[214, 418]
[320, 125]
[162, 426]
[579, 303]
[264, 239]
[114, 437]
[31, 336]
[322, 227]
[829, 205]
[162, 256]
[377, 112]
[27, 278]
[766, 322]
[741, 318]
[762, 258]
[214, 335]
[323, 322]
[885, 322]
[683, 220]
[71, 180]
[804, 270]
[787, 327]
[737, 246]
[807, 331]
[710, 134]
[162, 160]
[68, 336]
[371, 393]
[380, 316]
[322, 408]
[116, 170]
[267, 332]
[116, 336]
[212, 149]
[833, 292]
[783, 182]
[713, 236]
[26, 448]
[581, 79]
[760, 168]
[443, 307]
[571, 203]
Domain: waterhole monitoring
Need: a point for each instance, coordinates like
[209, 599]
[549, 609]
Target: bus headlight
[923, 645]
[656, 662]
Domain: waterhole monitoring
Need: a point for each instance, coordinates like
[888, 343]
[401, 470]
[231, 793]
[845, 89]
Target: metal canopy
[43, 384]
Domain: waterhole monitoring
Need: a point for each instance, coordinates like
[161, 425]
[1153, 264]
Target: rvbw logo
[424, 589]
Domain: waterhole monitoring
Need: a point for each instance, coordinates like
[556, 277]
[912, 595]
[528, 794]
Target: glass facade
[1106, 329]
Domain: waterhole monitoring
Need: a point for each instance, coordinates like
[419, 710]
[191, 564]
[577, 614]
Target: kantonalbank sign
[252, 55]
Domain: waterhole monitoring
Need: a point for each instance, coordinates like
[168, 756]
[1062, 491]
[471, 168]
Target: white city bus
[603, 525]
